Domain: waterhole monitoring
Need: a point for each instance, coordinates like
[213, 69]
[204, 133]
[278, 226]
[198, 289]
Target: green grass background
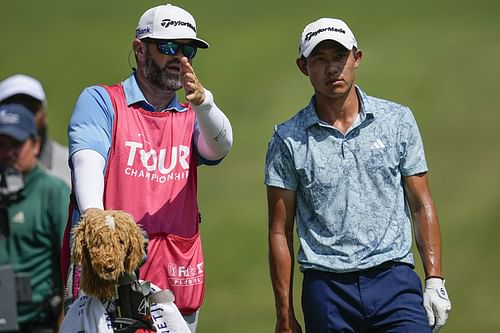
[438, 57]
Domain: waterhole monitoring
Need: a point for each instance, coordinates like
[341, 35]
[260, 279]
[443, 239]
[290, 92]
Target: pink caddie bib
[151, 174]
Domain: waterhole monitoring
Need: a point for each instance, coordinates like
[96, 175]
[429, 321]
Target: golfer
[135, 147]
[344, 168]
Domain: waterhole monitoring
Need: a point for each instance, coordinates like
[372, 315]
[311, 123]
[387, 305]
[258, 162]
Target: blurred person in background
[28, 91]
[135, 147]
[350, 170]
[33, 214]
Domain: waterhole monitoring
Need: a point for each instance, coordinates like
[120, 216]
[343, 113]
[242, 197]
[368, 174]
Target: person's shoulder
[295, 125]
[383, 107]
[383, 104]
[96, 90]
[94, 97]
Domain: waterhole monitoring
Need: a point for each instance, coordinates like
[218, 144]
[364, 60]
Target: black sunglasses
[170, 48]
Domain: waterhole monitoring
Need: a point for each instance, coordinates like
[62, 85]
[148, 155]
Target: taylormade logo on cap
[314, 33]
[168, 22]
[326, 29]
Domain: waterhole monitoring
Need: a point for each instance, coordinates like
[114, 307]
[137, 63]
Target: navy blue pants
[387, 298]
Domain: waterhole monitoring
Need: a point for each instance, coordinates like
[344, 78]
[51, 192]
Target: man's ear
[301, 64]
[139, 48]
[357, 58]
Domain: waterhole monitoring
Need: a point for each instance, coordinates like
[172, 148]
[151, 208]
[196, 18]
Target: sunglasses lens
[170, 48]
[189, 51]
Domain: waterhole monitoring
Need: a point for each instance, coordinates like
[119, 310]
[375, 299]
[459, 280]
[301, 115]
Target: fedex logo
[175, 270]
[181, 276]
[153, 160]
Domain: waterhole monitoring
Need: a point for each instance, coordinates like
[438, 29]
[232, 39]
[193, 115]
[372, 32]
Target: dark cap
[17, 122]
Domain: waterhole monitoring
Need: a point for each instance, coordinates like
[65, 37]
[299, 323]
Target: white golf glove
[436, 303]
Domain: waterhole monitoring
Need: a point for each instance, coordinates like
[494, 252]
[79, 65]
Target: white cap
[22, 84]
[168, 22]
[326, 29]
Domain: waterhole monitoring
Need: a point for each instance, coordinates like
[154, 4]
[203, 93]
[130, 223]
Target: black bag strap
[133, 307]
[129, 325]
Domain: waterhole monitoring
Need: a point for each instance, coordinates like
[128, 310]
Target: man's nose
[333, 68]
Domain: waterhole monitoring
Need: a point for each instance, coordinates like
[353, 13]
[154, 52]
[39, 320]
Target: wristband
[434, 277]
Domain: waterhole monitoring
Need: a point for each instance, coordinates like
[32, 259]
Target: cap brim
[201, 43]
[14, 133]
[197, 41]
[307, 52]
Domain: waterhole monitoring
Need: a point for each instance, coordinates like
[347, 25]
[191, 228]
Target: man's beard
[160, 77]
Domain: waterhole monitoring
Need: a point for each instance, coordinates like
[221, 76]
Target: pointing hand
[195, 93]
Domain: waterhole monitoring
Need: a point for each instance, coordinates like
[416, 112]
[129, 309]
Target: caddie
[135, 147]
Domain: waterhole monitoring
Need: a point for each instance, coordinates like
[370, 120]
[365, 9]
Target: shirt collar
[310, 117]
[133, 95]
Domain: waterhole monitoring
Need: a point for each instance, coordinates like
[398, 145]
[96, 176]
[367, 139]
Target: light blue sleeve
[91, 123]
[412, 155]
[280, 170]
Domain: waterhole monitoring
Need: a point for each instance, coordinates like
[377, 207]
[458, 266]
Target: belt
[387, 265]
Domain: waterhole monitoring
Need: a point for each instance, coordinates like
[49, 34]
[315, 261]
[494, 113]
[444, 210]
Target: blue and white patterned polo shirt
[351, 212]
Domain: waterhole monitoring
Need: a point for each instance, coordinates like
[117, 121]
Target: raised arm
[215, 137]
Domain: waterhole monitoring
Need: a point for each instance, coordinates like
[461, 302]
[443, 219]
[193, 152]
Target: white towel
[88, 315]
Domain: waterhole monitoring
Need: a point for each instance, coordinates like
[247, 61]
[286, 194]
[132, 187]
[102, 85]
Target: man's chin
[169, 85]
[170, 88]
